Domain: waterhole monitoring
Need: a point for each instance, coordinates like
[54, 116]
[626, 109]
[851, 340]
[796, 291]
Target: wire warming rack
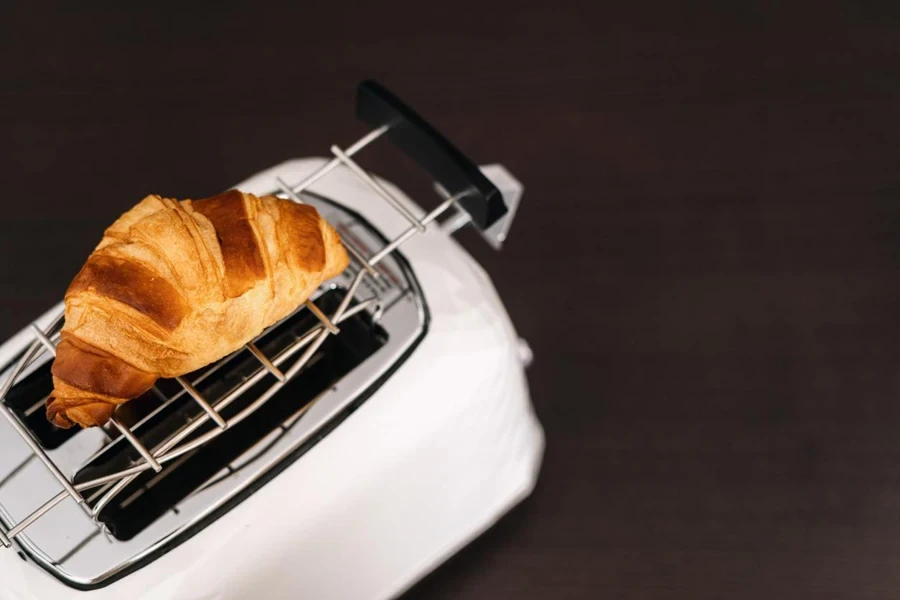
[462, 186]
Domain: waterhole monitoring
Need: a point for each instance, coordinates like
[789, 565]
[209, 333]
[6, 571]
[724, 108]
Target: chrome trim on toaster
[97, 559]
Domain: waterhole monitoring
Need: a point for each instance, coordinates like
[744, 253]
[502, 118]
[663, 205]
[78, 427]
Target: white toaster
[345, 453]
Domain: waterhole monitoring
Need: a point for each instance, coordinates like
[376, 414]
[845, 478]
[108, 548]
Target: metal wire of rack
[110, 485]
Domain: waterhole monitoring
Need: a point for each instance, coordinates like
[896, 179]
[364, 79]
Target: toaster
[346, 452]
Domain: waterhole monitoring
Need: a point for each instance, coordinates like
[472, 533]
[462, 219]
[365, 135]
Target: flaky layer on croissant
[176, 285]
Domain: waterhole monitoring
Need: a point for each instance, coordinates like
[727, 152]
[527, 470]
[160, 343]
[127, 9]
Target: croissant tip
[58, 418]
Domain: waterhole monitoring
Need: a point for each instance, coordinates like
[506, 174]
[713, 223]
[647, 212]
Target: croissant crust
[176, 285]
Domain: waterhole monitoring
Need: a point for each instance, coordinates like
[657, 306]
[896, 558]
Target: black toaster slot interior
[151, 494]
[28, 399]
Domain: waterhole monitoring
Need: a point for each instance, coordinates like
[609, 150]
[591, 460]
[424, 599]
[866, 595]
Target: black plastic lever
[459, 176]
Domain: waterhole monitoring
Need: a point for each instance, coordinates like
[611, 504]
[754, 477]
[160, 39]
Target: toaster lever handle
[456, 173]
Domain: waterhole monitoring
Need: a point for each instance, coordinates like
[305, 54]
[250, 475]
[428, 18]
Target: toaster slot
[151, 494]
[28, 399]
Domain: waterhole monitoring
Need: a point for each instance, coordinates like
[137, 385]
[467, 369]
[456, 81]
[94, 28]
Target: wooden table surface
[706, 263]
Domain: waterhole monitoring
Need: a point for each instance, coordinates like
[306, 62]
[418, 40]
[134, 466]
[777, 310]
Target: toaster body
[421, 444]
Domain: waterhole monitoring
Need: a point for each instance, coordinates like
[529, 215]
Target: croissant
[176, 285]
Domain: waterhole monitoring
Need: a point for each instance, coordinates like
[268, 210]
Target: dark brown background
[706, 261]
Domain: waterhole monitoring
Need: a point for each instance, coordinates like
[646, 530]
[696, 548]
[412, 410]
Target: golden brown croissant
[174, 286]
